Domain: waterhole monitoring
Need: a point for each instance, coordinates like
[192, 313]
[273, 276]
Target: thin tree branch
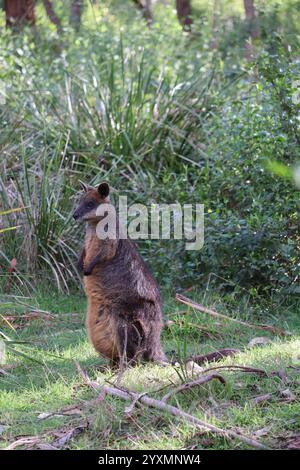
[213, 313]
[194, 383]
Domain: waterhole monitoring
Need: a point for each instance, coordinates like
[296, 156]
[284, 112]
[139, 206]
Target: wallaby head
[90, 201]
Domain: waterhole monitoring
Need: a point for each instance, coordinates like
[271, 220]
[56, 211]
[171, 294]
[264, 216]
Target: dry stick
[160, 405]
[250, 370]
[214, 356]
[241, 368]
[215, 314]
[194, 383]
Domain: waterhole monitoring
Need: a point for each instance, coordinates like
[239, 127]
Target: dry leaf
[262, 399]
[288, 395]
[193, 367]
[67, 436]
[290, 442]
[45, 446]
[12, 265]
[48, 415]
[258, 341]
[69, 411]
[261, 432]
[294, 442]
[281, 374]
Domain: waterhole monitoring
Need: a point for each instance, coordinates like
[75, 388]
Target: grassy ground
[28, 389]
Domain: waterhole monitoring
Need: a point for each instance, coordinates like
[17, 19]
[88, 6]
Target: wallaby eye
[90, 205]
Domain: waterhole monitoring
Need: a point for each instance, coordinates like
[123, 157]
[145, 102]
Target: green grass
[28, 389]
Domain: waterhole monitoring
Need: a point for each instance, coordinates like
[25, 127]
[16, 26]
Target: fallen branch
[215, 314]
[160, 405]
[215, 356]
[194, 383]
[24, 441]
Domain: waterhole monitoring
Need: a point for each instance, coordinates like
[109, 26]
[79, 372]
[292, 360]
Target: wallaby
[124, 316]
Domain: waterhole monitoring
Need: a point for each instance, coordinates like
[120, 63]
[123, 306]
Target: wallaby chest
[92, 244]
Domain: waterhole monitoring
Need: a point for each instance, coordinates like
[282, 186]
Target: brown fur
[124, 318]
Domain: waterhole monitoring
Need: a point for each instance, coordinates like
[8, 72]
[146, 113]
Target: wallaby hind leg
[130, 342]
[154, 352]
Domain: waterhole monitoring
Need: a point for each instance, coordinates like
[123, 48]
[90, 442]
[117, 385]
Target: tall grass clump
[164, 118]
[44, 236]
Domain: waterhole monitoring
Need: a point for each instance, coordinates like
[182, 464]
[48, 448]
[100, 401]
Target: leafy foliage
[164, 118]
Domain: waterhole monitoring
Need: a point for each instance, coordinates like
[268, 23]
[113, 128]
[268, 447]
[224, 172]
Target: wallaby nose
[75, 215]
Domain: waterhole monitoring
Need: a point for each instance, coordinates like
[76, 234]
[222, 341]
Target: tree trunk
[145, 7]
[75, 14]
[52, 15]
[19, 12]
[184, 13]
[214, 26]
[252, 27]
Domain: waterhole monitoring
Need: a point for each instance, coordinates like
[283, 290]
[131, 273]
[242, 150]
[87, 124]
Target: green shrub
[164, 118]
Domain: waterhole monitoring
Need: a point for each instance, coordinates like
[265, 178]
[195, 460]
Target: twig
[194, 383]
[160, 405]
[215, 314]
[34, 309]
[241, 368]
[86, 379]
[128, 410]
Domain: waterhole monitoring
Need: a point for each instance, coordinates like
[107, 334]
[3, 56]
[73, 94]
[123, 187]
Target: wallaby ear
[103, 190]
[83, 186]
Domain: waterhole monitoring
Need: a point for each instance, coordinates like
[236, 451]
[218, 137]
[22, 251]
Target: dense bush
[164, 118]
